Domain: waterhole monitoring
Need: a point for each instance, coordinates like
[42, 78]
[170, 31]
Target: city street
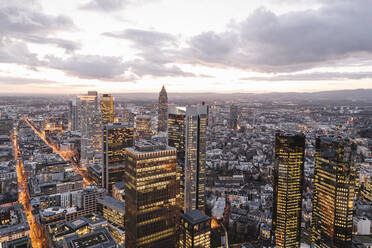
[37, 236]
[67, 156]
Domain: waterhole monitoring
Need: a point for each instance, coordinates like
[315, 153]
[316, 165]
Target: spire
[163, 88]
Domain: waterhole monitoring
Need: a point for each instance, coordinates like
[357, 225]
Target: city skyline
[125, 46]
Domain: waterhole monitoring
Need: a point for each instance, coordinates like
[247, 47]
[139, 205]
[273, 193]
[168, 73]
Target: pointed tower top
[163, 88]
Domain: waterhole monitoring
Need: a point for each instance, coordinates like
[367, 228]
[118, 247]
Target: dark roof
[195, 217]
[119, 185]
[99, 238]
[112, 203]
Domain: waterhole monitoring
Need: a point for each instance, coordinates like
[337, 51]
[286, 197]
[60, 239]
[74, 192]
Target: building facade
[195, 230]
[334, 192]
[143, 127]
[73, 121]
[90, 126]
[233, 117]
[163, 110]
[187, 128]
[107, 109]
[116, 137]
[152, 192]
[288, 186]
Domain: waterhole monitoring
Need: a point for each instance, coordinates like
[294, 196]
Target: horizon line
[177, 92]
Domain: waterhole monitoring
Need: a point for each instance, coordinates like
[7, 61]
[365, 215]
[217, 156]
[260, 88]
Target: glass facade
[233, 117]
[107, 108]
[334, 192]
[288, 184]
[195, 230]
[90, 126]
[163, 110]
[187, 129]
[143, 127]
[152, 194]
[116, 137]
[176, 139]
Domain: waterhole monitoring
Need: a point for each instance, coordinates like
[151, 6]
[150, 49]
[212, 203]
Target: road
[37, 234]
[68, 156]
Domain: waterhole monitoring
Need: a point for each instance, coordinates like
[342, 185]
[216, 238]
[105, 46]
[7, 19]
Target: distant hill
[359, 95]
[322, 97]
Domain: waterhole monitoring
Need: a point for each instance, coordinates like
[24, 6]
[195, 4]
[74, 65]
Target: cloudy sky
[71, 46]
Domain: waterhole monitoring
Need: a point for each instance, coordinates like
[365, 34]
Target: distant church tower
[163, 110]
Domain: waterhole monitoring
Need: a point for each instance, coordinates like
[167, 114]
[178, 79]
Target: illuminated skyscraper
[91, 135]
[152, 191]
[116, 137]
[187, 133]
[107, 108]
[367, 189]
[73, 116]
[334, 184]
[288, 184]
[195, 230]
[143, 127]
[162, 110]
[233, 117]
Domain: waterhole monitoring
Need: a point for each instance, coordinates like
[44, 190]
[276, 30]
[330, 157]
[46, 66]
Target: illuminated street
[38, 239]
[67, 156]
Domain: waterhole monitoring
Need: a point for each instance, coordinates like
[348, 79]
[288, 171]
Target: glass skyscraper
[334, 192]
[152, 192]
[187, 127]
[195, 230]
[162, 110]
[73, 115]
[90, 123]
[288, 184]
[233, 117]
[107, 108]
[116, 137]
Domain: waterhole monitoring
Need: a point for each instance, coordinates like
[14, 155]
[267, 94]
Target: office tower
[128, 116]
[151, 195]
[91, 135]
[73, 115]
[333, 192]
[187, 133]
[288, 184]
[143, 127]
[233, 117]
[366, 191]
[162, 110]
[107, 108]
[116, 137]
[195, 230]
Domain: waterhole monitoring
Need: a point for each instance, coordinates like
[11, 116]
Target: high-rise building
[288, 185]
[195, 230]
[107, 108]
[116, 137]
[233, 117]
[162, 110]
[333, 192]
[366, 191]
[73, 116]
[151, 195]
[91, 135]
[143, 127]
[187, 133]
